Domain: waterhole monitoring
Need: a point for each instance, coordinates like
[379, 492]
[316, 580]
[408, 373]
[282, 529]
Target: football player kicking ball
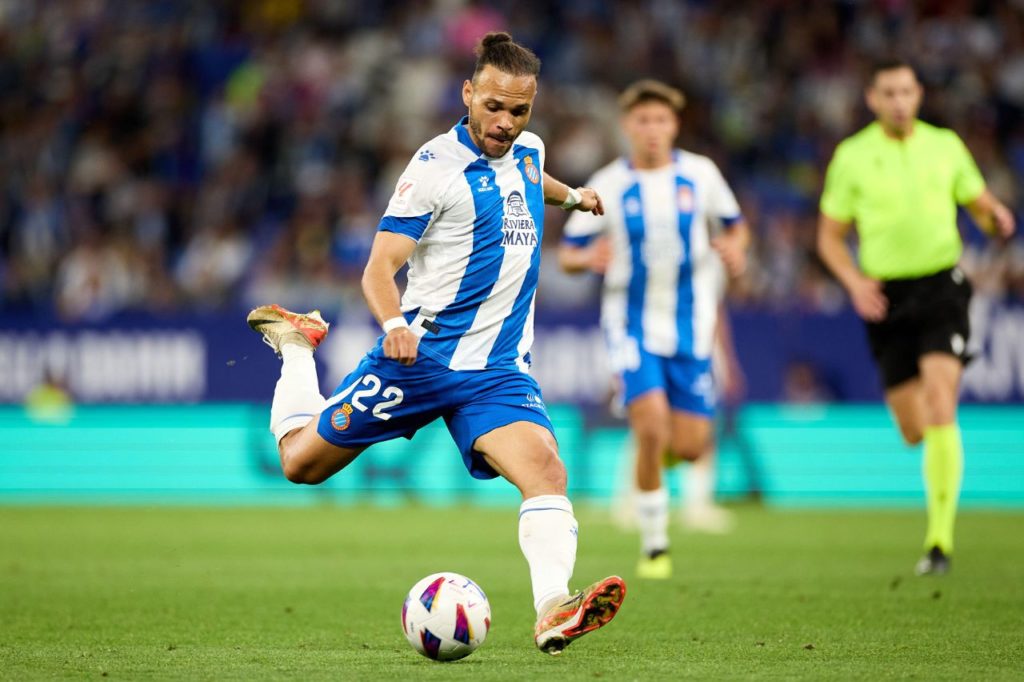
[467, 215]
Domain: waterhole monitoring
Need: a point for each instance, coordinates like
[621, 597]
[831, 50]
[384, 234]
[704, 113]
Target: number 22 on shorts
[369, 386]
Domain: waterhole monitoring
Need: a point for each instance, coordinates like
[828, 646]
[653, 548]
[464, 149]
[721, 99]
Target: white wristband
[574, 197]
[394, 323]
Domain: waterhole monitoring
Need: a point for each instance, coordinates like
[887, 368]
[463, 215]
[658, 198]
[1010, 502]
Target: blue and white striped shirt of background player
[664, 283]
[478, 223]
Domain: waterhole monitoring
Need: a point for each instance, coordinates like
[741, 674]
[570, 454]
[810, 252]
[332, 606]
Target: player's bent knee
[557, 480]
[689, 452]
[551, 466]
[298, 471]
[911, 434]
[651, 438]
[940, 405]
[692, 445]
[297, 465]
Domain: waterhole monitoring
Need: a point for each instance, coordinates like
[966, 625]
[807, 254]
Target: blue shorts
[382, 399]
[687, 381]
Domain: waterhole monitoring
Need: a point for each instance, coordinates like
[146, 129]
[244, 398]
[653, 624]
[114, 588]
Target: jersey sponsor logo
[517, 225]
[663, 251]
[341, 418]
[426, 155]
[515, 205]
[485, 184]
[531, 170]
[632, 206]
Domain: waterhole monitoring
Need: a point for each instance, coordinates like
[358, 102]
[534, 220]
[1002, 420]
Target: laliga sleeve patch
[403, 192]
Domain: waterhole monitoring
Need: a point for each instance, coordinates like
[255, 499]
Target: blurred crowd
[179, 154]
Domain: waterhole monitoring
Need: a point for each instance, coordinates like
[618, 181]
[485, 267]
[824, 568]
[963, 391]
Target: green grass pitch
[315, 593]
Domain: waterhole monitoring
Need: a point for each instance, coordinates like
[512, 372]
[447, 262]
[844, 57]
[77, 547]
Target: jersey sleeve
[968, 183]
[416, 199]
[722, 204]
[583, 226]
[837, 199]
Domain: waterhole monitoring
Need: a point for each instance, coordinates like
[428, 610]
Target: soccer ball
[446, 616]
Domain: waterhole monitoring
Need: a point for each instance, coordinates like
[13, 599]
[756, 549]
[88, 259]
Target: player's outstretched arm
[865, 293]
[389, 253]
[557, 193]
[992, 215]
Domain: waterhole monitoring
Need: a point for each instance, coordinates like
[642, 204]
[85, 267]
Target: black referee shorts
[926, 315]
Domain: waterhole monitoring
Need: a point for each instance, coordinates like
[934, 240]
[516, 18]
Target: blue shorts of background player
[382, 399]
[686, 381]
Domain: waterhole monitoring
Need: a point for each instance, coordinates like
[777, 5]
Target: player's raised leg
[305, 456]
[526, 454]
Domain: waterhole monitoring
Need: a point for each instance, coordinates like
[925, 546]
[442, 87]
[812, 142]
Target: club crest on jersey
[341, 418]
[532, 174]
[684, 197]
[518, 226]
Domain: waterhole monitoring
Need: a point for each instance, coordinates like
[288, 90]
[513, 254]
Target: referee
[899, 180]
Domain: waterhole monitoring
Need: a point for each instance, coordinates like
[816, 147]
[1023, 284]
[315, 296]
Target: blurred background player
[899, 180]
[663, 284]
[467, 216]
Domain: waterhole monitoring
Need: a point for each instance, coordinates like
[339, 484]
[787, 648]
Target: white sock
[699, 482]
[547, 536]
[297, 399]
[652, 519]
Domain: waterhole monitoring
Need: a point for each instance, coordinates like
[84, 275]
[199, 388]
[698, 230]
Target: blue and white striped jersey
[664, 283]
[478, 223]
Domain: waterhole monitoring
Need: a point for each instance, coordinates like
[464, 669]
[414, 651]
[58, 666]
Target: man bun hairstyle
[500, 51]
[650, 90]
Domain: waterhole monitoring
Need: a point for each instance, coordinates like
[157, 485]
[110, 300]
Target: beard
[478, 133]
[476, 128]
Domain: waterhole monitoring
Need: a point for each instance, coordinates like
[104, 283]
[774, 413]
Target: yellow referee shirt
[902, 196]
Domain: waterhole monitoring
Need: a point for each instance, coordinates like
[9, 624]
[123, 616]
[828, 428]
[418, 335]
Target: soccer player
[900, 180]
[467, 215]
[669, 213]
